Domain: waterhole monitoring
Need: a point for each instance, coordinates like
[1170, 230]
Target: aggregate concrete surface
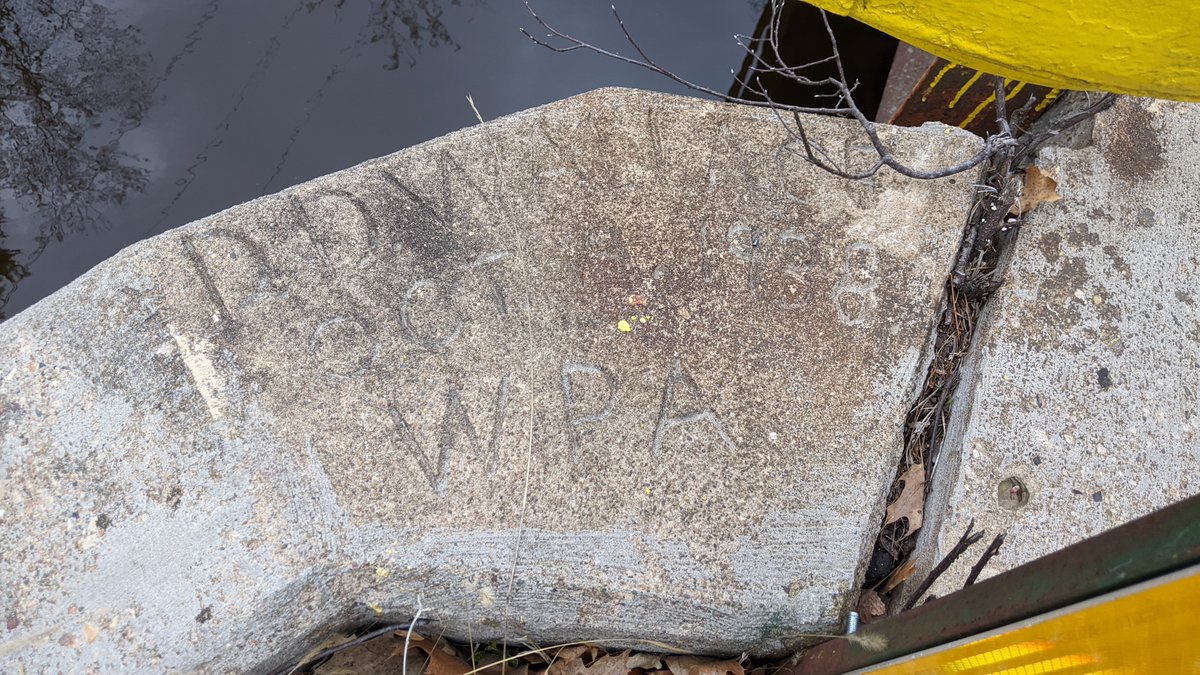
[322, 408]
[1078, 410]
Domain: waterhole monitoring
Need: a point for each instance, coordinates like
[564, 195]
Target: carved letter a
[668, 420]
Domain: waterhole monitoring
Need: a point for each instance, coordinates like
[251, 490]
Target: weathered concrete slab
[618, 367]
[1084, 382]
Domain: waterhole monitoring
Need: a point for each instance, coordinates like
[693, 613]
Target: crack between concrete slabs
[980, 265]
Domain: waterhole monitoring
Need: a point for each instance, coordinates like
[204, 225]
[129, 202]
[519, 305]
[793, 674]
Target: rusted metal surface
[924, 88]
[1157, 544]
[909, 66]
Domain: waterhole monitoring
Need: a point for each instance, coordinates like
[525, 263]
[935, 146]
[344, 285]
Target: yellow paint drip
[624, 326]
[1054, 93]
[965, 88]
[1143, 49]
[990, 100]
[938, 78]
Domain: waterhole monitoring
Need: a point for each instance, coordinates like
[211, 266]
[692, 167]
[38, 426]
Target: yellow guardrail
[1122, 46]
[1150, 628]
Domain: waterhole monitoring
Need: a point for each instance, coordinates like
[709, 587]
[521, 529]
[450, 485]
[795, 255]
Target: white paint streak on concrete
[195, 353]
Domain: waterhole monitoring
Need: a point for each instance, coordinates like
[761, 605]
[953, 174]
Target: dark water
[120, 119]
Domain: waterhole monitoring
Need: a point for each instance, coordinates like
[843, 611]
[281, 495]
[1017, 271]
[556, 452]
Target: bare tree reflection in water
[406, 25]
[11, 270]
[72, 84]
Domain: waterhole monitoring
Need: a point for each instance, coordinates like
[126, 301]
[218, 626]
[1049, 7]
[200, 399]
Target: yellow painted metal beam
[1149, 628]
[1138, 48]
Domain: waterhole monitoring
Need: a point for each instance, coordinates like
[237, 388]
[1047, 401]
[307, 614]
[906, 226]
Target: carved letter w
[455, 426]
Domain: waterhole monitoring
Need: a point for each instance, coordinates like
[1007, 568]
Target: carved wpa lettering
[315, 211]
[746, 243]
[705, 253]
[344, 346]
[455, 430]
[669, 418]
[482, 267]
[577, 418]
[429, 314]
[421, 228]
[498, 426]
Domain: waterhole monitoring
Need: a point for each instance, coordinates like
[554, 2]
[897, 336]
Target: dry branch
[842, 88]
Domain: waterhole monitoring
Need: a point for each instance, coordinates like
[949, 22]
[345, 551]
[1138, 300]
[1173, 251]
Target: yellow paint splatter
[375, 608]
[382, 573]
[1106, 45]
[1050, 96]
[643, 319]
[624, 326]
[932, 85]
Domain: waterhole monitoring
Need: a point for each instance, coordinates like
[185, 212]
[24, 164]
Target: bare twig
[992, 549]
[1030, 142]
[309, 664]
[765, 57]
[1001, 106]
[968, 539]
[471, 101]
[408, 636]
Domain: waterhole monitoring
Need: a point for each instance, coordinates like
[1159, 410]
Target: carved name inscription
[427, 311]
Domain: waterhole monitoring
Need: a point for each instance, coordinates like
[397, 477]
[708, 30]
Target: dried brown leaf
[590, 661]
[443, 660]
[911, 502]
[694, 665]
[898, 575]
[1039, 189]
[870, 606]
[574, 660]
[645, 661]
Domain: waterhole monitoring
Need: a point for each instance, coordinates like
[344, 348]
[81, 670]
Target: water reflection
[405, 25]
[11, 270]
[76, 81]
[73, 82]
[120, 119]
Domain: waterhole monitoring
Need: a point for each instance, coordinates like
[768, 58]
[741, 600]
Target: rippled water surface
[120, 119]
